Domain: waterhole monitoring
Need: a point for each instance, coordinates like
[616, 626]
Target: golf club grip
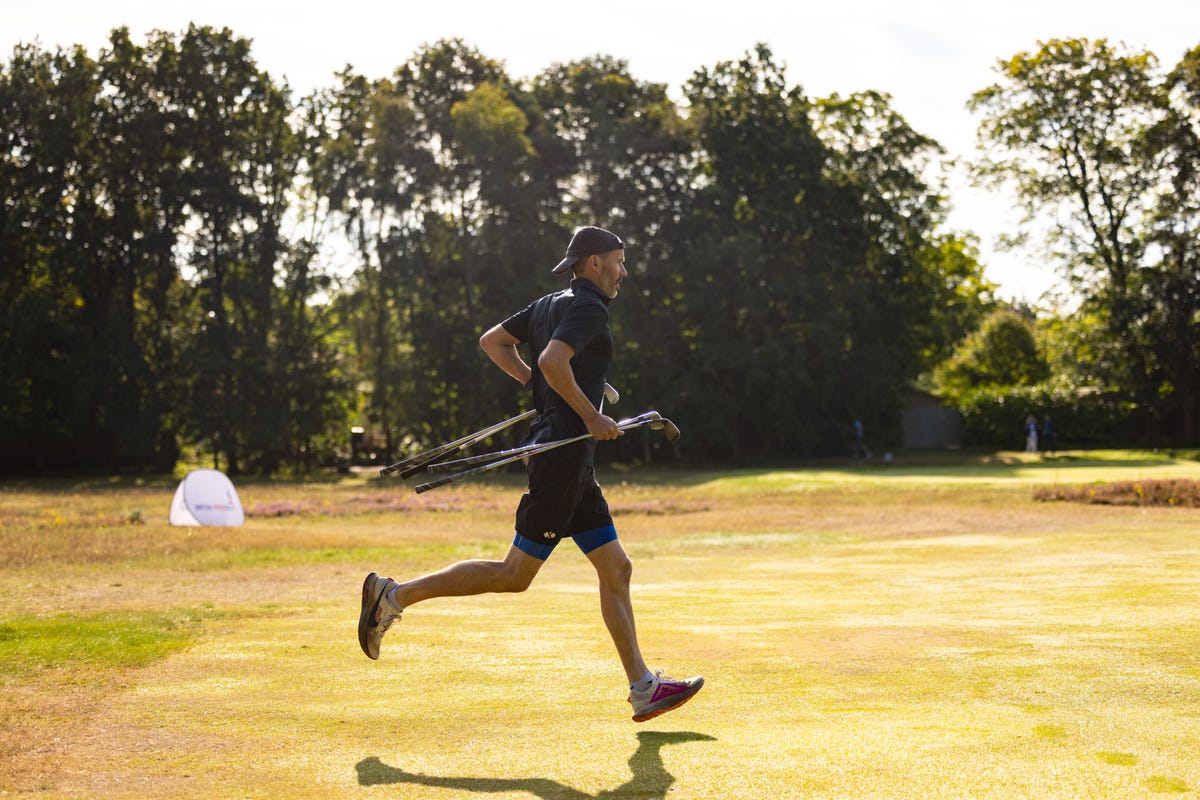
[437, 454]
[425, 487]
[500, 463]
[423, 465]
[406, 467]
[470, 461]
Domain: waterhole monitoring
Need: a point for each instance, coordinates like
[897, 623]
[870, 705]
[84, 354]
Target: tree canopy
[1098, 139]
[192, 260]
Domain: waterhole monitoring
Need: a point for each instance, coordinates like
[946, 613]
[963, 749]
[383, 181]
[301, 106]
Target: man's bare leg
[384, 600]
[649, 694]
[614, 570]
[476, 576]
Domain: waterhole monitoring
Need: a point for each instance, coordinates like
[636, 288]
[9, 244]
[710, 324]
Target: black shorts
[563, 500]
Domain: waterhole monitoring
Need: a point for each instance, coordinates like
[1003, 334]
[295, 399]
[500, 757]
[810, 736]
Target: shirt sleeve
[582, 323]
[518, 323]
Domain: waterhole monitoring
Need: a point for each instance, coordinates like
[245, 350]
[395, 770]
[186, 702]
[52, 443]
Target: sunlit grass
[885, 631]
[999, 469]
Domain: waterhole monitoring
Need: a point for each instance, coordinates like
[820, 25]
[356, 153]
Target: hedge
[995, 417]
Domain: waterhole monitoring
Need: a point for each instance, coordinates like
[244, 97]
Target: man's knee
[518, 571]
[616, 570]
[518, 580]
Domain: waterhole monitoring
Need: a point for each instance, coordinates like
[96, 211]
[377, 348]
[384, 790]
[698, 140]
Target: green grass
[90, 641]
[918, 630]
[998, 469]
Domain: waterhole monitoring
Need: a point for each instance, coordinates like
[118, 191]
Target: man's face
[608, 271]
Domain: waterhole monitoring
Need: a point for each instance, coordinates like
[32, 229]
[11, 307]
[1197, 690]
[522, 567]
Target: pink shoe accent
[668, 694]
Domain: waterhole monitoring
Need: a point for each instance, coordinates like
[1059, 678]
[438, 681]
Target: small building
[930, 425]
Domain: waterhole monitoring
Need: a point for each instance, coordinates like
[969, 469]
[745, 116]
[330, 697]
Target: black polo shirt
[577, 316]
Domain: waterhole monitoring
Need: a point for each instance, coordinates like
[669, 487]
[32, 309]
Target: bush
[1181, 492]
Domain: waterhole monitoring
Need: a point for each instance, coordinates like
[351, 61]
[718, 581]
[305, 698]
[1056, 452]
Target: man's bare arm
[501, 347]
[555, 364]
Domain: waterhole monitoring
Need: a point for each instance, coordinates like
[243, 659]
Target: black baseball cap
[589, 241]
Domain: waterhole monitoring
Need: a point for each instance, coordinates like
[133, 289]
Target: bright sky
[930, 55]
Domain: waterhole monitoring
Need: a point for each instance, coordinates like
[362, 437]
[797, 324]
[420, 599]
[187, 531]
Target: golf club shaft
[459, 463]
[424, 463]
[438, 453]
[624, 425]
[609, 394]
[442, 450]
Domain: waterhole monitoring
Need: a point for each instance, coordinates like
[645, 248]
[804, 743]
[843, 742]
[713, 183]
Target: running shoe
[370, 629]
[663, 695]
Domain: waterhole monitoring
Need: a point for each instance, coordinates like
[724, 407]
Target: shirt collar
[585, 285]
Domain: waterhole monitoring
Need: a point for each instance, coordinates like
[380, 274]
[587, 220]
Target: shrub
[1180, 492]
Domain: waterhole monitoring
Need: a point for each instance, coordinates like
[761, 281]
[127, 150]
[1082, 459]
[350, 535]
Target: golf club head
[611, 394]
[650, 418]
[653, 420]
[670, 430]
[656, 422]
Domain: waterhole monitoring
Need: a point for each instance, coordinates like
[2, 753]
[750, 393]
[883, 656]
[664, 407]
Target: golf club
[610, 394]
[420, 460]
[459, 463]
[652, 419]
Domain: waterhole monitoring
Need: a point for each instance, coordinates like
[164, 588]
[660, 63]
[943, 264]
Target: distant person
[1048, 443]
[1031, 434]
[858, 445]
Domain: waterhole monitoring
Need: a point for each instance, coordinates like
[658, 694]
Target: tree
[442, 190]
[1068, 126]
[1095, 138]
[1171, 278]
[760, 315]
[370, 167]
[822, 276]
[146, 193]
[959, 295]
[1003, 353]
[90, 210]
[919, 290]
[476, 209]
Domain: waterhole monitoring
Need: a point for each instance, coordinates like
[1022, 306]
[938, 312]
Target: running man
[571, 345]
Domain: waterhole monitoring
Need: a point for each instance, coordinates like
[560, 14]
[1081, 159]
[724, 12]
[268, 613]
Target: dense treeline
[151, 295]
[193, 260]
[173, 222]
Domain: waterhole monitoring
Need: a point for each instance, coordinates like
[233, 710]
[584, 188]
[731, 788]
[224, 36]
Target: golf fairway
[860, 636]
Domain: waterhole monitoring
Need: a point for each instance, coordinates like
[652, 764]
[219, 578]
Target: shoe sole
[367, 616]
[660, 711]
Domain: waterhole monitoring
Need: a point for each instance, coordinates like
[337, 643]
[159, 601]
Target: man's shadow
[650, 778]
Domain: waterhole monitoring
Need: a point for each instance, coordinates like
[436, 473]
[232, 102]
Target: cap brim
[565, 265]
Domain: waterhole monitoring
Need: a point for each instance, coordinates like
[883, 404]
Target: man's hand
[603, 428]
[555, 364]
